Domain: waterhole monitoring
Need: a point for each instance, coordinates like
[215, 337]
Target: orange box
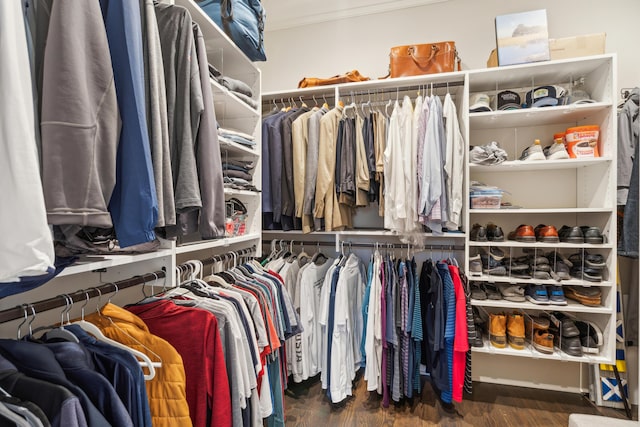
[582, 141]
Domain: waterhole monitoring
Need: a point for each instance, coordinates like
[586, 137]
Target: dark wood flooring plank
[489, 405]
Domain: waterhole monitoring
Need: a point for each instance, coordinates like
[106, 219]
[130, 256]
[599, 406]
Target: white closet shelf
[517, 165]
[278, 233]
[516, 281]
[88, 263]
[542, 245]
[536, 74]
[572, 306]
[536, 116]
[540, 211]
[237, 150]
[227, 104]
[532, 353]
[217, 243]
[234, 192]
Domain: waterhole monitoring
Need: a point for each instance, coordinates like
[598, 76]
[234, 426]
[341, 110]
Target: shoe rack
[568, 192]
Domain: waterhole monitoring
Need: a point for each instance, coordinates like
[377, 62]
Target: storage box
[567, 47]
[486, 200]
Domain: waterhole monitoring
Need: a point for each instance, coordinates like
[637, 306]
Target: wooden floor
[490, 405]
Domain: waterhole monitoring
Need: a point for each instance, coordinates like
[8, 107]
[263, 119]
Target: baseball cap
[508, 100]
[580, 97]
[545, 96]
[479, 102]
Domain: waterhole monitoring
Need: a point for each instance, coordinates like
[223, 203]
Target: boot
[498, 330]
[515, 330]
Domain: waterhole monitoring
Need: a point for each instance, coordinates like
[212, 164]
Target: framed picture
[522, 37]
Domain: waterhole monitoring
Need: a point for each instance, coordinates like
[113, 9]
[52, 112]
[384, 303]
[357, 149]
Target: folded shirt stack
[239, 88]
[230, 135]
[238, 169]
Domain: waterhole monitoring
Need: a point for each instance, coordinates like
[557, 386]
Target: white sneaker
[556, 152]
[532, 153]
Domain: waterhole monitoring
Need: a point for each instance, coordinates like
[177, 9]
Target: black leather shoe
[494, 233]
[478, 233]
[592, 235]
[572, 346]
[569, 328]
[571, 234]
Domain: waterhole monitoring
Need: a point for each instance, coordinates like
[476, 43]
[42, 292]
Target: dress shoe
[546, 234]
[524, 233]
[592, 235]
[569, 234]
[494, 233]
[478, 233]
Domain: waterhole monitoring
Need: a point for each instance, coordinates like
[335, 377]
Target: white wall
[363, 43]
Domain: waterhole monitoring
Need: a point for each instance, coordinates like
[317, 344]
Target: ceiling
[282, 14]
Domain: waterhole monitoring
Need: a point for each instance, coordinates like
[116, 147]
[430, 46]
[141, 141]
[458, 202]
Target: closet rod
[80, 295]
[426, 86]
[402, 246]
[222, 257]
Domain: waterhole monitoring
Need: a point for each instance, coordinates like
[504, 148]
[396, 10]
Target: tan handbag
[418, 59]
[351, 76]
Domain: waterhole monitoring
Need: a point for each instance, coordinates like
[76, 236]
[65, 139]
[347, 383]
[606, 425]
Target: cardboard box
[567, 47]
[571, 47]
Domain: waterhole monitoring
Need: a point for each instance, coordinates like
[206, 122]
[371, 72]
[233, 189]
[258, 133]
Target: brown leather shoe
[537, 332]
[543, 341]
[515, 330]
[546, 233]
[498, 330]
[524, 233]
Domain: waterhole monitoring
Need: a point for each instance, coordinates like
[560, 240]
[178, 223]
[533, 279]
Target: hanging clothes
[184, 101]
[27, 244]
[125, 327]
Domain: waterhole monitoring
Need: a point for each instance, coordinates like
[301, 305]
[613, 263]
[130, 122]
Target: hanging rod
[80, 295]
[222, 257]
[402, 246]
[374, 91]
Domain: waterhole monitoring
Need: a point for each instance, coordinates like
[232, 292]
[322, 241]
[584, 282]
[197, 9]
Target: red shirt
[194, 334]
[461, 339]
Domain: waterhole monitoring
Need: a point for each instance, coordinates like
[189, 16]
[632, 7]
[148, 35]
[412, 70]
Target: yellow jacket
[167, 390]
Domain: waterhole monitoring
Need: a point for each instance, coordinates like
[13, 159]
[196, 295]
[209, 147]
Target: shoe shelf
[571, 306]
[541, 245]
[567, 192]
[542, 211]
[515, 280]
[536, 116]
[518, 165]
[530, 352]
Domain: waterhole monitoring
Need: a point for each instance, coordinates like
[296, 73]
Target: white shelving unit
[563, 192]
[231, 112]
[573, 192]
